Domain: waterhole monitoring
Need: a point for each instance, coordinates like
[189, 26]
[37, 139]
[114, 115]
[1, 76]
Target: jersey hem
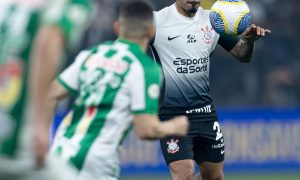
[144, 112]
[191, 117]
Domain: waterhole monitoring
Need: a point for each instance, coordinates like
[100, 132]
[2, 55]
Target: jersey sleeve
[144, 84]
[71, 16]
[228, 42]
[158, 19]
[69, 78]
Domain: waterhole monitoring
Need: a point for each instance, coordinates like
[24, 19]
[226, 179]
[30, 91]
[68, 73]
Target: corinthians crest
[208, 35]
[173, 146]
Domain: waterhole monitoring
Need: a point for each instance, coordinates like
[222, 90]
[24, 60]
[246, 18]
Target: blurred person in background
[34, 36]
[115, 85]
[184, 36]
[282, 88]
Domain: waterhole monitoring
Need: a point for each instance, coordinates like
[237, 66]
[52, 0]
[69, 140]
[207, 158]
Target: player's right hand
[254, 32]
[181, 125]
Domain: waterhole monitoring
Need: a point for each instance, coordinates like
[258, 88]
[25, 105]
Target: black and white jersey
[183, 46]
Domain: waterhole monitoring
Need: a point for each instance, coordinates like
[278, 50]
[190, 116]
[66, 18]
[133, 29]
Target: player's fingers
[40, 158]
[253, 26]
[258, 31]
[262, 32]
[251, 29]
[268, 31]
[40, 152]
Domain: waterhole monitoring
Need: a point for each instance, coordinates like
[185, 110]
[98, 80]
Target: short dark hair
[136, 16]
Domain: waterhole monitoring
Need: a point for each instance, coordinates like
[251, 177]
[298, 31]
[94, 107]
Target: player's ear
[116, 27]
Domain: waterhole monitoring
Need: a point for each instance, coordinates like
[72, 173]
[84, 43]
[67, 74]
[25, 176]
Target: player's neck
[184, 12]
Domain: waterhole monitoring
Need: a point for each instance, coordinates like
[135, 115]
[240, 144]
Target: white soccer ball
[230, 17]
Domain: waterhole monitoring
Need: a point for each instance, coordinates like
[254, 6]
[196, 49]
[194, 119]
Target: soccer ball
[230, 17]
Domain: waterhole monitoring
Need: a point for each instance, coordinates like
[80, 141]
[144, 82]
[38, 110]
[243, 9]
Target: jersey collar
[129, 43]
[180, 16]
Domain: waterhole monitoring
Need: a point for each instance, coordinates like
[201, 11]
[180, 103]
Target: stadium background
[258, 103]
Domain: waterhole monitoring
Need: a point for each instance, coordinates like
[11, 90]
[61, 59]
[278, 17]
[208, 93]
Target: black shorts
[204, 143]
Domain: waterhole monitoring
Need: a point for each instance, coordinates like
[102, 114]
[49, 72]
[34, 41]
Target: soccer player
[183, 44]
[59, 24]
[115, 84]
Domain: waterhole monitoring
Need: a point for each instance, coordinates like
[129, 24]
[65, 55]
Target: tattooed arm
[244, 49]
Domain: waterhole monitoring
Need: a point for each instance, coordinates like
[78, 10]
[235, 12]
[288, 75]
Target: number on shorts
[218, 129]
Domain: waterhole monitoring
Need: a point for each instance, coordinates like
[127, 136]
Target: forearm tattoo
[243, 50]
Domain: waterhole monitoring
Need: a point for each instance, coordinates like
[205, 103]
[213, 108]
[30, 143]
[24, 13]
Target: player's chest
[187, 36]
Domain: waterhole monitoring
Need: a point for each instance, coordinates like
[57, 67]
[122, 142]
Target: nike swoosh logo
[223, 151]
[171, 38]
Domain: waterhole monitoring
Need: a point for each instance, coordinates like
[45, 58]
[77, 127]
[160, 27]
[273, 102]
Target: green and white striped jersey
[110, 82]
[19, 23]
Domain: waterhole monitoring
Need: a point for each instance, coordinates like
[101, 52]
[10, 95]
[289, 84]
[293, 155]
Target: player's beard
[193, 10]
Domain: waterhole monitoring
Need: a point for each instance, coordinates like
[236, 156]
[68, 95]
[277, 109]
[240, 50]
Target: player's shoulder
[87, 53]
[163, 12]
[203, 12]
[100, 47]
[150, 66]
[83, 56]
[161, 16]
[145, 60]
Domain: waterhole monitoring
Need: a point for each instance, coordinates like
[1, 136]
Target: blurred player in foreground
[183, 45]
[115, 84]
[57, 26]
